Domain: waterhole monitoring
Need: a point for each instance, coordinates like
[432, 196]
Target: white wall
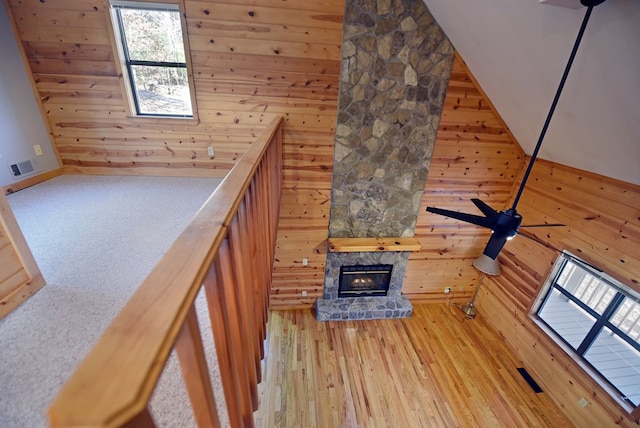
[518, 49]
[21, 123]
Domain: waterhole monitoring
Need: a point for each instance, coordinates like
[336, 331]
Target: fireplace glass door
[364, 280]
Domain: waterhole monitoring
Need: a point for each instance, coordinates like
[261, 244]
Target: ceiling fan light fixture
[487, 265]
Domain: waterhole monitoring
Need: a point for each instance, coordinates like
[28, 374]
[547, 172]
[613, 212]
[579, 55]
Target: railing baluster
[245, 307]
[143, 420]
[195, 372]
[266, 207]
[272, 170]
[260, 253]
[260, 222]
[256, 268]
[250, 270]
[630, 331]
[276, 190]
[220, 329]
[238, 349]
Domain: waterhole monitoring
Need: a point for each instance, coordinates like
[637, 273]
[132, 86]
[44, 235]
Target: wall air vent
[21, 169]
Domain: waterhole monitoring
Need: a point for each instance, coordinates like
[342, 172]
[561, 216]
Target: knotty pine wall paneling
[602, 218]
[251, 60]
[475, 156]
[304, 218]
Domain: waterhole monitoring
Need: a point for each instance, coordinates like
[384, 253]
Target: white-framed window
[596, 320]
[152, 48]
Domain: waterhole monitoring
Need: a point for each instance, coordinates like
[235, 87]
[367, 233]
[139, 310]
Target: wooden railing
[229, 249]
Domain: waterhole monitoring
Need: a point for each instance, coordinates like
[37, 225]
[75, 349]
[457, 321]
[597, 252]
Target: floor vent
[532, 383]
[20, 169]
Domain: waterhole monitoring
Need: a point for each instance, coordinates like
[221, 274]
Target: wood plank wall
[475, 156]
[251, 60]
[20, 277]
[12, 273]
[603, 227]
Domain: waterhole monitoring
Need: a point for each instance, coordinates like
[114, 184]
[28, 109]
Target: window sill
[164, 119]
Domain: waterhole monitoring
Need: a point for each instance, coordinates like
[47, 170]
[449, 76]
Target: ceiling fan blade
[469, 218]
[486, 209]
[544, 225]
[495, 244]
[534, 238]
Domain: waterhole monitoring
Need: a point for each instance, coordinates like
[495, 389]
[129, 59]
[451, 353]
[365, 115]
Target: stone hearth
[363, 308]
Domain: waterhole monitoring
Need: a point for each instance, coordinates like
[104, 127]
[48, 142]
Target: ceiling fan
[506, 223]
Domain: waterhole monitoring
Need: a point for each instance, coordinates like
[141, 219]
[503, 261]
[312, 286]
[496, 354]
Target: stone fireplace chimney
[396, 63]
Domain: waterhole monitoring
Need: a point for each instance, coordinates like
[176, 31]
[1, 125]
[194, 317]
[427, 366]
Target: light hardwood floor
[435, 369]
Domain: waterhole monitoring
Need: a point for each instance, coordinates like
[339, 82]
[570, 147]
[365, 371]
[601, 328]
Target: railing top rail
[116, 379]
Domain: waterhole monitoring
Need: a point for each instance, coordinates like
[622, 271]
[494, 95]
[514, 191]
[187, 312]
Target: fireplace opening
[364, 280]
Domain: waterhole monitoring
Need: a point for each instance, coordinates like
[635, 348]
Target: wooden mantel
[353, 245]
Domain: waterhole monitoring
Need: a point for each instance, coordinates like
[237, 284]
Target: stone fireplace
[391, 305]
[396, 63]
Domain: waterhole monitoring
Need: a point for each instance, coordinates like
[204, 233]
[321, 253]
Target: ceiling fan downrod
[505, 224]
[590, 5]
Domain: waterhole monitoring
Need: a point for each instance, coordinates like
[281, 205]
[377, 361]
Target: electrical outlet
[447, 290]
[37, 149]
[304, 293]
[305, 262]
[210, 151]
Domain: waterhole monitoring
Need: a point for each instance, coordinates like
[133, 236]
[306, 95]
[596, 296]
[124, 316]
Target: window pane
[570, 321]
[599, 316]
[627, 318]
[617, 361]
[162, 90]
[589, 289]
[153, 35]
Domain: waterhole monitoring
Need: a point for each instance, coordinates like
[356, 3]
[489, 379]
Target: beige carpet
[95, 239]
